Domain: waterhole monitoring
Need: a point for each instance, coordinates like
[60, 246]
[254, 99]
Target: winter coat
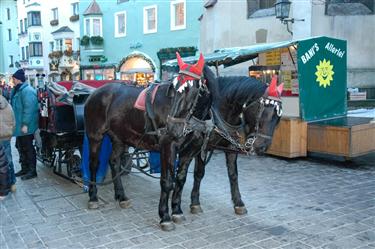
[26, 111]
[7, 122]
[4, 175]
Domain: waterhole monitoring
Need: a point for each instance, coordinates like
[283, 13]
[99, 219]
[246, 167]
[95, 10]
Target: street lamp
[282, 8]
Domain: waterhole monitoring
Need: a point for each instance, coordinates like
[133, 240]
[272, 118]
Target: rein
[246, 146]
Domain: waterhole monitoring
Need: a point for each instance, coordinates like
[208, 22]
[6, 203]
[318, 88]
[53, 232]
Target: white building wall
[226, 25]
[65, 11]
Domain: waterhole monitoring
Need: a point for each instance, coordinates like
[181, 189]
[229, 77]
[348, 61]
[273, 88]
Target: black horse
[246, 113]
[110, 110]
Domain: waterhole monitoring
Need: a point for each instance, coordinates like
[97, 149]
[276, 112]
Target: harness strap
[188, 73]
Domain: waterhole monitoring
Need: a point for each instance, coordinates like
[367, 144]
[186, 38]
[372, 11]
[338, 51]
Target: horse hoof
[125, 204]
[196, 209]
[240, 210]
[178, 218]
[167, 226]
[93, 205]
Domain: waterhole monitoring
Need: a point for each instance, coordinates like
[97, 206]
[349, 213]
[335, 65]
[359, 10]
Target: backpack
[7, 122]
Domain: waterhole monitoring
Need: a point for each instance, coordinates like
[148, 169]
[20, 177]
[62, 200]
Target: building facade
[244, 23]
[122, 39]
[48, 33]
[9, 52]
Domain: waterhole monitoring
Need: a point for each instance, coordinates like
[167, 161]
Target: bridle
[190, 122]
[247, 146]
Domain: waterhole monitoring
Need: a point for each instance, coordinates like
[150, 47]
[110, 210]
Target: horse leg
[166, 183]
[115, 163]
[177, 214]
[94, 159]
[239, 206]
[199, 170]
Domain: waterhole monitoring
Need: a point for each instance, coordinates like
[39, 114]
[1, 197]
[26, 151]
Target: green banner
[322, 78]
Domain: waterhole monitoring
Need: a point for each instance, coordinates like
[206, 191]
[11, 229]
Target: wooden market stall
[314, 73]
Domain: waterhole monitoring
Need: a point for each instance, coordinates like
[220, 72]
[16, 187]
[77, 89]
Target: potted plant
[55, 54]
[85, 40]
[96, 40]
[54, 22]
[74, 18]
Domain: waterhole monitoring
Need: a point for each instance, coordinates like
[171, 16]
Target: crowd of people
[19, 119]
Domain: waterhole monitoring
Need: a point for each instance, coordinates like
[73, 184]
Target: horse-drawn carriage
[61, 126]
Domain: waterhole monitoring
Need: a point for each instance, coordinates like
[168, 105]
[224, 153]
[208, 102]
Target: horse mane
[241, 89]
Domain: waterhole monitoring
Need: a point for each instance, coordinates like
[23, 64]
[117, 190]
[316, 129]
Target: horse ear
[280, 88]
[200, 64]
[179, 60]
[272, 88]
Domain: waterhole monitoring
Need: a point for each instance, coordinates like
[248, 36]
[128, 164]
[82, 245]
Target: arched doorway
[137, 67]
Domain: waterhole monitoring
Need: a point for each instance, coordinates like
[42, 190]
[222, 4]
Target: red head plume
[273, 89]
[197, 68]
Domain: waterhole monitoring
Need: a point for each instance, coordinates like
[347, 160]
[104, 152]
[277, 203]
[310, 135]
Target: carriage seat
[140, 103]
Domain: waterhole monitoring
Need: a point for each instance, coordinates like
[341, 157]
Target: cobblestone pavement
[291, 204]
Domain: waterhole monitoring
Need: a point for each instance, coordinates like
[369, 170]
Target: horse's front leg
[199, 170]
[239, 206]
[115, 163]
[185, 159]
[167, 156]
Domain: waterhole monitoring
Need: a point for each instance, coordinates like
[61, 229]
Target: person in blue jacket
[25, 106]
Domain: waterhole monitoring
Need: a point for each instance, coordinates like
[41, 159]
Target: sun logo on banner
[324, 73]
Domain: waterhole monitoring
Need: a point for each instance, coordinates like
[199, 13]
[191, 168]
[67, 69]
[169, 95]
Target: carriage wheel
[140, 158]
[73, 165]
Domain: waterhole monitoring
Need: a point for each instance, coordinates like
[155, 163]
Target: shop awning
[231, 56]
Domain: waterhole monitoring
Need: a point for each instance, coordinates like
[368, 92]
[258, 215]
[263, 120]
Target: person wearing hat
[25, 106]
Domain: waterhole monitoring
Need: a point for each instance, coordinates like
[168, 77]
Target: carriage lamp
[282, 9]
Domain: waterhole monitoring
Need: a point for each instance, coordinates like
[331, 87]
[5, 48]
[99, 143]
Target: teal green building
[129, 39]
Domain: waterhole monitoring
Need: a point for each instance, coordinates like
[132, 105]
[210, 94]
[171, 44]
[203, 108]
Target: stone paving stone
[119, 244]
[98, 241]
[81, 237]
[296, 245]
[268, 243]
[55, 206]
[195, 243]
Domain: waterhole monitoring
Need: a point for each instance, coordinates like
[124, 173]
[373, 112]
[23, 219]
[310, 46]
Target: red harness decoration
[140, 103]
[195, 69]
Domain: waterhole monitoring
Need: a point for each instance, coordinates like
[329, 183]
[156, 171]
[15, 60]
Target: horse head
[187, 87]
[261, 118]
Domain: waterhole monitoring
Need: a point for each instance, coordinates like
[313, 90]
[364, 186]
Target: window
[349, 7]
[55, 14]
[150, 22]
[21, 26]
[59, 44]
[266, 4]
[93, 26]
[87, 27]
[36, 49]
[34, 18]
[96, 26]
[120, 24]
[23, 53]
[25, 23]
[260, 8]
[51, 46]
[11, 61]
[27, 52]
[8, 13]
[75, 9]
[9, 34]
[178, 15]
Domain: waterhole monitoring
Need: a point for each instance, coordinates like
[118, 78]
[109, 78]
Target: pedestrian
[25, 106]
[4, 175]
[7, 125]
